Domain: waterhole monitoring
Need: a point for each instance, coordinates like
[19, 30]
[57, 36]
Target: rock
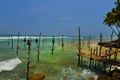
[37, 76]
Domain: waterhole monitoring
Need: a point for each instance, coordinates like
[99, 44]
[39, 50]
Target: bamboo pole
[58, 39]
[24, 40]
[105, 63]
[79, 46]
[28, 58]
[53, 43]
[96, 55]
[100, 43]
[100, 48]
[8, 40]
[18, 46]
[62, 44]
[90, 58]
[39, 47]
[11, 41]
[93, 62]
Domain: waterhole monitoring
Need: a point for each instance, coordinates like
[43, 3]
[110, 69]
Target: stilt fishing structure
[79, 47]
[11, 36]
[62, 44]
[38, 46]
[28, 58]
[24, 40]
[101, 56]
[18, 43]
[53, 44]
[8, 40]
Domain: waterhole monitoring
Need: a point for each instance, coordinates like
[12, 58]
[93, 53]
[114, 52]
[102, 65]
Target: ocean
[61, 65]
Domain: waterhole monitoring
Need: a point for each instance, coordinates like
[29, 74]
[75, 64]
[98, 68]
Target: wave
[10, 64]
[72, 74]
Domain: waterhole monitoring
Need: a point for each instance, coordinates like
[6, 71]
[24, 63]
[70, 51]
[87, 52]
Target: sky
[53, 17]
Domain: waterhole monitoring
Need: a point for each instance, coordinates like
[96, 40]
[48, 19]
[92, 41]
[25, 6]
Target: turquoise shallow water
[62, 65]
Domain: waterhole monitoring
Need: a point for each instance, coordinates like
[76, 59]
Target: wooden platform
[103, 57]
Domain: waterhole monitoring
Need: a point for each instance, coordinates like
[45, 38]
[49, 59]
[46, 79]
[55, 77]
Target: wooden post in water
[11, 41]
[28, 58]
[39, 47]
[18, 45]
[100, 43]
[24, 40]
[88, 44]
[79, 46]
[110, 48]
[8, 40]
[53, 43]
[96, 55]
[90, 58]
[105, 62]
[62, 44]
[93, 62]
[100, 49]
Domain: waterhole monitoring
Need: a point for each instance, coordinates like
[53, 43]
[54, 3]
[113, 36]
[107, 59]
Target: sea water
[12, 64]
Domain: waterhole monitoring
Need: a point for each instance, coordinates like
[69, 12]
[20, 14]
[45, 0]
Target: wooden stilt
[62, 44]
[100, 50]
[96, 55]
[79, 46]
[90, 58]
[105, 63]
[11, 41]
[93, 61]
[38, 47]
[88, 44]
[8, 40]
[18, 45]
[28, 57]
[53, 43]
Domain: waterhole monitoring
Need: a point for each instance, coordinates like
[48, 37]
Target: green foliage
[113, 17]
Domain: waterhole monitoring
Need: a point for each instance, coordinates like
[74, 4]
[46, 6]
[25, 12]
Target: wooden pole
[93, 62]
[96, 55]
[62, 44]
[8, 40]
[105, 62]
[28, 57]
[100, 43]
[100, 49]
[90, 58]
[53, 42]
[18, 46]
[11, 41]
[24, 40]
[79, 46]
[58, 39]
[88, 44]
[39, 47]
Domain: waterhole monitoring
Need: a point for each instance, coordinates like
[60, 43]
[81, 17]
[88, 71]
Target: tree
[113, 18]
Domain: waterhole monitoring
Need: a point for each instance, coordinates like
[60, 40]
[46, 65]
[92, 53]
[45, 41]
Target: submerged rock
[37, 76]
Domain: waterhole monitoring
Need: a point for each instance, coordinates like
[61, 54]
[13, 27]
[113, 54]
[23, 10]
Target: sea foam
[10, 64]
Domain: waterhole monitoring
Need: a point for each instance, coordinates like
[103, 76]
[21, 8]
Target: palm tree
[113, 18]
